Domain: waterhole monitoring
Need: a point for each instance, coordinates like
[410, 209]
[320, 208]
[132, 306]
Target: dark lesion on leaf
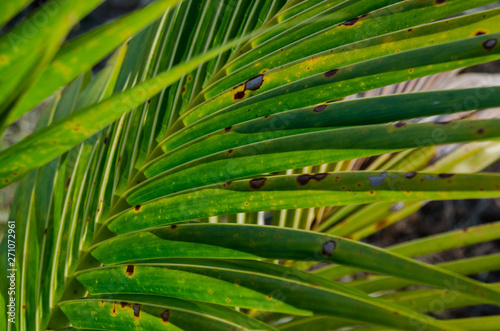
[490, 44]
[351, 22]
[130, 270]
[165, 316]
[328, 248]
[410, 174]
[331, 73]
[304, 179]
[319, 109]
[400, 124]
[446, 175]
[239, 95]
[137, 310]
[334, 100]
[253, 84]
[257, 183]
[354, 20]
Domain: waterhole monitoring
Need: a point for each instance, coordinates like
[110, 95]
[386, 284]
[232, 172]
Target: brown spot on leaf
[137, 207]
[400, 124]
[137, 310]
[123, 304]
[257, 183]
[480, 131]
[490, 43]
[319, 109]
[304, 179]
[440, 2]
[446, 175]
[173, 227]
[320, 177]
[331, 73]
[228, 129]
[106, 141]
[67, 182]
[130, 270]
[328, 248]
[239, 95]
[479, 33]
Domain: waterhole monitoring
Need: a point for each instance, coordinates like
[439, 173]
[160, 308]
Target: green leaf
[81, 54]
[238, 155]
[333, 84]
[9, 8]
[28, 48]
[428, 245]
[154, 313]
[254, 290]
[469, 266]
[294, 48]
[254, 242]
[60, 136]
